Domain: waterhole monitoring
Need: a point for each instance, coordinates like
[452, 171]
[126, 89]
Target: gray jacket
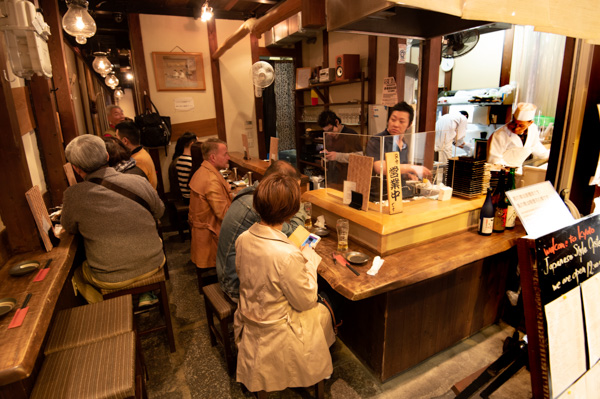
[120, 236]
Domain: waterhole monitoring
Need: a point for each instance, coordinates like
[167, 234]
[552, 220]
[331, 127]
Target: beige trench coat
[209, 201]
[283, 334]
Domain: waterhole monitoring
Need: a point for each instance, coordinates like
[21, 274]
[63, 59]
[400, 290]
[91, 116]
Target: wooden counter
[255, 165]
[19, 347]
[384, 234]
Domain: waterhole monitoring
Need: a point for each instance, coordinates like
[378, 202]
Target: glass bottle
[511, 215]
[486, 215]
[500, 205]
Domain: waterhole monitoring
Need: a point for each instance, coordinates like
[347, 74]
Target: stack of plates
[468, 177]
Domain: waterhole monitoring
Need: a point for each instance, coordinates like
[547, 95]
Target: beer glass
[343, 228]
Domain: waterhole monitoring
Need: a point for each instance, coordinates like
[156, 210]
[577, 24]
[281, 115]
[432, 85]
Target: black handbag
[155, 130]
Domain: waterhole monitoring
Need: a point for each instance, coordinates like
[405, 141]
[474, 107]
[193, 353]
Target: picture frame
[178, 71]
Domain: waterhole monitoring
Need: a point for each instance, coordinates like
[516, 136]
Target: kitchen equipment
[356, 258]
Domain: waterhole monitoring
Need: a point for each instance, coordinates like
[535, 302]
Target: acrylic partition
[419, 165]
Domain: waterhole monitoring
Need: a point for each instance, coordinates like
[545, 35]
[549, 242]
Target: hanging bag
[155, 130]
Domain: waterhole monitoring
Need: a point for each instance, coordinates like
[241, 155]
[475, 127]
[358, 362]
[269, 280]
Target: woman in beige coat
[283, 334]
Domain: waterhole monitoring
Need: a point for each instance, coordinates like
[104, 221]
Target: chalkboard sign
[568, 257]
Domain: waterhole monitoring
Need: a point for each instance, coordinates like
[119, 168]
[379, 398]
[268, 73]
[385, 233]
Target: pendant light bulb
[111, 81]
[101, 64]
[207, 12]
[78, 22]
[118, 92]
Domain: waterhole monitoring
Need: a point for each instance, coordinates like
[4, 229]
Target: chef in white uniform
[450, 129]
[512, 144]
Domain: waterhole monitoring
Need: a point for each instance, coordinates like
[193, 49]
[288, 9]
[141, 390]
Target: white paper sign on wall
[183, 103]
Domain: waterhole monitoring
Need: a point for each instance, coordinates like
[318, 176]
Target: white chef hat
[525, 112]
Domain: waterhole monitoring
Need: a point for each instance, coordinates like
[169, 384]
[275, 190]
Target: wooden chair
[178, 209]
[319, 391]
[218, 304]
[152, 283]
[102, 369]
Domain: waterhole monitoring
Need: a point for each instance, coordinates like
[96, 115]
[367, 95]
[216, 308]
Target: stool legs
[227, 344]
[167, 315]
[319, 391]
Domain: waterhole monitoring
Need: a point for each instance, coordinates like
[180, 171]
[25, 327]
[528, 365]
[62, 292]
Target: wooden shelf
[329, 84]
[310, 163]
[328, 104]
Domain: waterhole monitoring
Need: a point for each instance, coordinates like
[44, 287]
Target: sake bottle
[486, 215]
[511, 215]
[500, 205]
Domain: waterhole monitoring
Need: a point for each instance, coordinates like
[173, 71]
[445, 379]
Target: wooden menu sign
[359, 171]
[560, 279]
[40, 214]
[394, 182]
[245, 145]
[274, 149]
[69, 173]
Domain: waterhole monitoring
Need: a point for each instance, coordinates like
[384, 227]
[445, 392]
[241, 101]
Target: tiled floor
[198, 370]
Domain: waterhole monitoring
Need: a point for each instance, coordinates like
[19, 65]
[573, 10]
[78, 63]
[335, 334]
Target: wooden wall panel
[201, 128]
[23, 108]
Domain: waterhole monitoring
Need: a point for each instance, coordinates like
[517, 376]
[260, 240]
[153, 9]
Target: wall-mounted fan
[262, 76]
[459, 44]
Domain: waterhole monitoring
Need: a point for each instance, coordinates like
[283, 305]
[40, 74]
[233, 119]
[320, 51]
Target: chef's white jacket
[506, 147]
[449, 128]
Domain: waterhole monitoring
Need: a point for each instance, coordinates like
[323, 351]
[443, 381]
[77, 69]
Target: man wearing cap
[512, 144]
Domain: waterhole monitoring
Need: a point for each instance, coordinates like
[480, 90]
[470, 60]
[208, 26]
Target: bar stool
[319, 391]
[218, 304]
[152, 283]
[87, 324]
[102, 369]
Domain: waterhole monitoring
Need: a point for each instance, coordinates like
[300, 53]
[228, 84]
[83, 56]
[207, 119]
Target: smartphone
[311, 240]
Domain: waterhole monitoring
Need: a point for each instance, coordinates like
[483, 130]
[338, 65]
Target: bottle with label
[511, 215]
[486, 216]
[500, 205]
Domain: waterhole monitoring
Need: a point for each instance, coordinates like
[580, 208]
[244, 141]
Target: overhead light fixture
[101, 64]
[78, 22]
[111, 80]
[129, 76]
[118, 92]
[207, 12]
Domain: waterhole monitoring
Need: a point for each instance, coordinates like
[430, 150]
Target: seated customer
[129, 134]
[119, 234]
[239, 217]
[282, 332]
[119, 157]
[183, 157]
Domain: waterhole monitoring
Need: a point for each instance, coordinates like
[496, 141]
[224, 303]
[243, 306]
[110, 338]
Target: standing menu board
[560, 278]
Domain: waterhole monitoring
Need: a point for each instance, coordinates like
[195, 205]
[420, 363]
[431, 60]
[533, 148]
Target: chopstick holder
[20, 314]
[340, 259]
[43, 272]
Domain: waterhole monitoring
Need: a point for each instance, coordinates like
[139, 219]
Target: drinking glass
[308, 220]
[342, 233]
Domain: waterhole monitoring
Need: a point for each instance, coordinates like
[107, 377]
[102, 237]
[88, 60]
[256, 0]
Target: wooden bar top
[19, 347]
[254, 164]
[411, 265]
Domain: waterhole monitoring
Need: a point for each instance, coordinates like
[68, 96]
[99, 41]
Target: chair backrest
[174, 180]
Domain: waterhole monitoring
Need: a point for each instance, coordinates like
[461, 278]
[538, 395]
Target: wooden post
[15, 179]
[137, 60]
[431, 55]
[49, 138]
[60, 73]
[216, 77]
[372, 71]
[396, 70]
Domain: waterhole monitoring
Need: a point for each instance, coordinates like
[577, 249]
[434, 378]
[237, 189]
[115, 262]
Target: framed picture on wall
[178, 71]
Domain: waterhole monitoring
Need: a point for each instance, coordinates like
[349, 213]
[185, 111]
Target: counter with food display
[440, 281]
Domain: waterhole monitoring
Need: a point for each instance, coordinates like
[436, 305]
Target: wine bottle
[511, 215]
[486, 215]
[500, 205]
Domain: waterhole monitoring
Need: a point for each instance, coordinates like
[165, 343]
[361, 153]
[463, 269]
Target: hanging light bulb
[118, 92]
[207, 12]
[78, 22]
[111, 80]
[129, 76]
[101, 64]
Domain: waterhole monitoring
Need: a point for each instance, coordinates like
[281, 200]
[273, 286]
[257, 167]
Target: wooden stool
[152, 283]
[87, 324]
[218, 304]
[103, 369]
[319, 391]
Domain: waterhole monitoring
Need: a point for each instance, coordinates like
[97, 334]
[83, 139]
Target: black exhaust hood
[381, 19]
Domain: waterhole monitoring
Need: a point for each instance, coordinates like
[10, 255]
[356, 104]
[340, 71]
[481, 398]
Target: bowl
[6, 305]
[25, 267]
[321, 232]
[356, 258]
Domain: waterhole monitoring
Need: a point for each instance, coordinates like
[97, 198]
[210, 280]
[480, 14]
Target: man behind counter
[511, 144]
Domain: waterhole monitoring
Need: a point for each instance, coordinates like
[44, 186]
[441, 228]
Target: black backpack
[155, 130]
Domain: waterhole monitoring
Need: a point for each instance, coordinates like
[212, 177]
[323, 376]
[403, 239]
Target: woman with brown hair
[283, 333]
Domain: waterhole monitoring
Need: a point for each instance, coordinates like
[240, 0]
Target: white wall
[480, 68]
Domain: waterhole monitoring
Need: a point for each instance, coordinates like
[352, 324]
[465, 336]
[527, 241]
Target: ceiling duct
[288, 32]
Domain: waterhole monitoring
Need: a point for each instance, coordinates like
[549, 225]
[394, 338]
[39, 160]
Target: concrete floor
[198, 370]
